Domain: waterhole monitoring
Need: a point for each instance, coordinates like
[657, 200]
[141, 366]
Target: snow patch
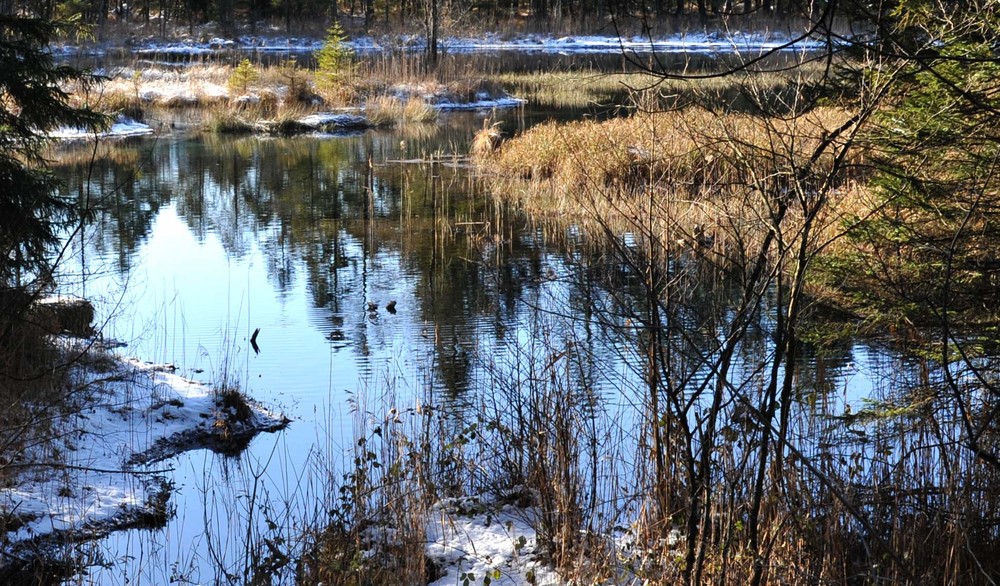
[440, 98]
[481, 104]
[332, 120]
[123, 127]
[468, 540]
[179, 91]
[704, 42]
[99, 474]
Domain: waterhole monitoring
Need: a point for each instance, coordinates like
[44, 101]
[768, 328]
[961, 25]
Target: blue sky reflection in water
[198, 242]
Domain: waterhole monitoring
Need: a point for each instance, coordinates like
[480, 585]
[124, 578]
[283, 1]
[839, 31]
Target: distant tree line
[398, 13]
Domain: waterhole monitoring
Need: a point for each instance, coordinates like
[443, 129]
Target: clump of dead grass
[487, 140]
[691, 153]
[384, 110]
[227, 121]
[417, 110]
[388, 110]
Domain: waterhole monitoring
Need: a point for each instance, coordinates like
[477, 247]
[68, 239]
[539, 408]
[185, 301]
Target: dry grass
[227, 121]
[679, 183]
[692, 155]
[394, 88]
[417, 110]
[388, 110]
[134, 91]
[586, 89]
[487, 140]
[375, 527]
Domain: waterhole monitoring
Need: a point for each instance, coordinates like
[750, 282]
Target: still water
[198, 241]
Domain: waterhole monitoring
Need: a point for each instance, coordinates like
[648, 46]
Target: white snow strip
[691, 42]
[714, 42]
[124, 127]
[327, 119]
[486, 104]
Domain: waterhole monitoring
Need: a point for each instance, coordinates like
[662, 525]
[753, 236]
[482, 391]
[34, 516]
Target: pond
[380, 276]
[198, 241]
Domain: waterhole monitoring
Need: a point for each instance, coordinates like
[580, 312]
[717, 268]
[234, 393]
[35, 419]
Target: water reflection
[196, 241]
[310, 238]
[355, 221]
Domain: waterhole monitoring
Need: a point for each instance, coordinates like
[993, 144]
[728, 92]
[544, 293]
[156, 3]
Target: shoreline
[208, 44]
[95, 472]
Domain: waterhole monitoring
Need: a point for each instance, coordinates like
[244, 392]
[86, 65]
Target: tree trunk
[432, 20]
[541, 8]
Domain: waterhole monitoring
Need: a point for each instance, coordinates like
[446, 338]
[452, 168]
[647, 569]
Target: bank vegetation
[868, 209]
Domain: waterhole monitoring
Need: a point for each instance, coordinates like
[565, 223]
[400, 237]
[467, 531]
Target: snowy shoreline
[689, 42]
[100, 470]
[123, 127]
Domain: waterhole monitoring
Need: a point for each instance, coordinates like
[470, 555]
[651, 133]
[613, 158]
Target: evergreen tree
[32, 102]
[333, 61]
[935, 146]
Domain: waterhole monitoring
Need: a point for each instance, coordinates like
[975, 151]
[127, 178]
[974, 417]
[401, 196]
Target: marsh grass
[234, 406]
[296, 81]
[240, 98]
[264, 116]
[833, 513]
[227, 121]
[592, 89]
[374, 528]
[389, 110]
[695, 165]
[135, 92]
[417, 110]
[679, 205]
[539, 411]
[487, 140]
[538, 439]
[394, 87]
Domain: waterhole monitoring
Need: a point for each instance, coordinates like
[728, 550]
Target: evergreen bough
[32, 102]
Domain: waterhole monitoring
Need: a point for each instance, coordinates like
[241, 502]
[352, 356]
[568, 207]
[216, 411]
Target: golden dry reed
[691, 157]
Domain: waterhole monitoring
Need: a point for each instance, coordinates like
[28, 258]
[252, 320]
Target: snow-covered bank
[483, 102]
[693, 42]
[122, 128]
[99, 466]
[334, 122]
[690, 42]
